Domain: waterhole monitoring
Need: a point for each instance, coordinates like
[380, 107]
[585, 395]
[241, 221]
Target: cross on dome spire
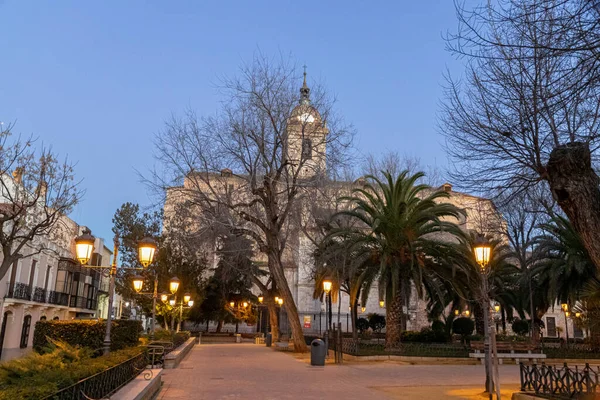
[304, 91]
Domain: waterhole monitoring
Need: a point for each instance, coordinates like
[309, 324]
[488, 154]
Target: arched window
[7, 315]
[43, 318]
[55, 318]
[25, 331]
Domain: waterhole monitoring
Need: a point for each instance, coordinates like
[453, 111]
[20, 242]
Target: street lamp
[483, 251]
[280, 302]
[138, 283]
[174, 285]
[186, 298]
[327, 286]
[260, 299]
[381, 303]
[164, 297]
[363, 309]
[146, 249]
[232, 304]
[84, 246]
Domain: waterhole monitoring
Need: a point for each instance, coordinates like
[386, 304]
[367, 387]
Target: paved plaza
[248, 371]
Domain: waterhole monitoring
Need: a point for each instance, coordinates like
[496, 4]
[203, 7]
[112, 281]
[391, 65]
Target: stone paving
[249, 371]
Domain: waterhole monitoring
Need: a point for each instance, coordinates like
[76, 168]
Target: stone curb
[173, 359]
[140, 388]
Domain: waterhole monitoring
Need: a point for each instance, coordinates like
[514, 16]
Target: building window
[306, 149]
[43, 318]
[55, 319]
[577, 331]
[551, 326]
[25, 331]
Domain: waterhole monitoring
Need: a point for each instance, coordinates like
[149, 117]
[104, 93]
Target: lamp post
[483, 252]
[146, 250]
[186, 301]
[327, 285]
[565, 308]
[84, 247]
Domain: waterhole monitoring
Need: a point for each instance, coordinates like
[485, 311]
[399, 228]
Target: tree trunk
[354, 317]
[576, 188]
[479, 319]
[273, 320]
[207, 325]
[278, 274]
[219, 326]
[393, 325]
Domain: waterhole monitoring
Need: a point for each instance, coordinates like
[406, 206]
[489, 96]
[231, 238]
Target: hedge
[87, 333]
[177, 338]
[36, 376]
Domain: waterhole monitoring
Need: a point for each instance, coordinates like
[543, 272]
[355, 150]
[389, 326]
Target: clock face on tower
[306, 117]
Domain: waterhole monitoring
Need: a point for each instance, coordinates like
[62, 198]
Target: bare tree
[395, 163]
[527, 110]
[36, 190]
[254, 158]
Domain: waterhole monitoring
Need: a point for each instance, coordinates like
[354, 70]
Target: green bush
[376, 322]
[177, 338]
[362, 324]
[520, 326]
[438, 326]
[87, 333]
[426, 335]
[463, 326]
[38, 375]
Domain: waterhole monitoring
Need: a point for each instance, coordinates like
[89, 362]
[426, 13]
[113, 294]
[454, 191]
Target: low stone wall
[409, 359]
[173, 359]
[141, 388]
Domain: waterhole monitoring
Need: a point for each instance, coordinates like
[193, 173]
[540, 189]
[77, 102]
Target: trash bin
[238, 338]
[317, 352]
[268, 340]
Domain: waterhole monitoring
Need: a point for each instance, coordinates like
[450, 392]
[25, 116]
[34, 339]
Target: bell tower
[307, 136]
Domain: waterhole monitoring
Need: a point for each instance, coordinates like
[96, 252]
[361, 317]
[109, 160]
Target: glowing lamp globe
[363, 309]
[174, 285]
[146, 250]
[232, 304]
[564, 306]
[577, 314]
[172, 302]
[84, 246]
[280, 301]
[164, 297]
[467, 313]
[138, 283]
[191, 303]
[260, 299]
[456, 312]
[245, 304]
[483, 251]
[186, 298]
[497, 308]
[327, 284]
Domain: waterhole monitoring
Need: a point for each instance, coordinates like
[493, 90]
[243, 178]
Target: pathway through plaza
[249, 371]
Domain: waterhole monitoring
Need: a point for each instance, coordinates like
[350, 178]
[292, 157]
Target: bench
[508, 350]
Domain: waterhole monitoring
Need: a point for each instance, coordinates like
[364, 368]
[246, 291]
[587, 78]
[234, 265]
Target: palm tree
[562, 264]
[398, 236]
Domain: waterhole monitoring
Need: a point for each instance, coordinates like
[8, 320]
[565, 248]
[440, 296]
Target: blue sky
[96, 79]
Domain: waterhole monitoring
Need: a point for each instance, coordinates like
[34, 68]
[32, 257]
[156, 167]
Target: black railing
[105, 383]
[19, 291]
[39, 295]
[58, 298]
[82, 302]
[559, 382]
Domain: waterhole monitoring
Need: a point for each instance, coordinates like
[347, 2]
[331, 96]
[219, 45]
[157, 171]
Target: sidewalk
[249, 371]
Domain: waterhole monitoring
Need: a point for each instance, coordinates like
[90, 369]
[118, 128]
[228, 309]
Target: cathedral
[305, 152]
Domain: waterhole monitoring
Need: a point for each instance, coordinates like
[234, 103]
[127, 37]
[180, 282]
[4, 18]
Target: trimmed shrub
[463, 326]
[36, 376]
[426, 335]
[376, 322]
[177, 338]
[87, 333]
[362, 324]
[438, 326]
[520, 326]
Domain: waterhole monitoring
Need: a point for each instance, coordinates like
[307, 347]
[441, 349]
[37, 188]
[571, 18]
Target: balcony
[60, 299]
[82, 302]
[20, 291]
[40, 295]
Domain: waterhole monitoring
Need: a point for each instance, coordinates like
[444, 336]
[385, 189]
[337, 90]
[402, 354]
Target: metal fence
[107, 382]
[559, 382]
